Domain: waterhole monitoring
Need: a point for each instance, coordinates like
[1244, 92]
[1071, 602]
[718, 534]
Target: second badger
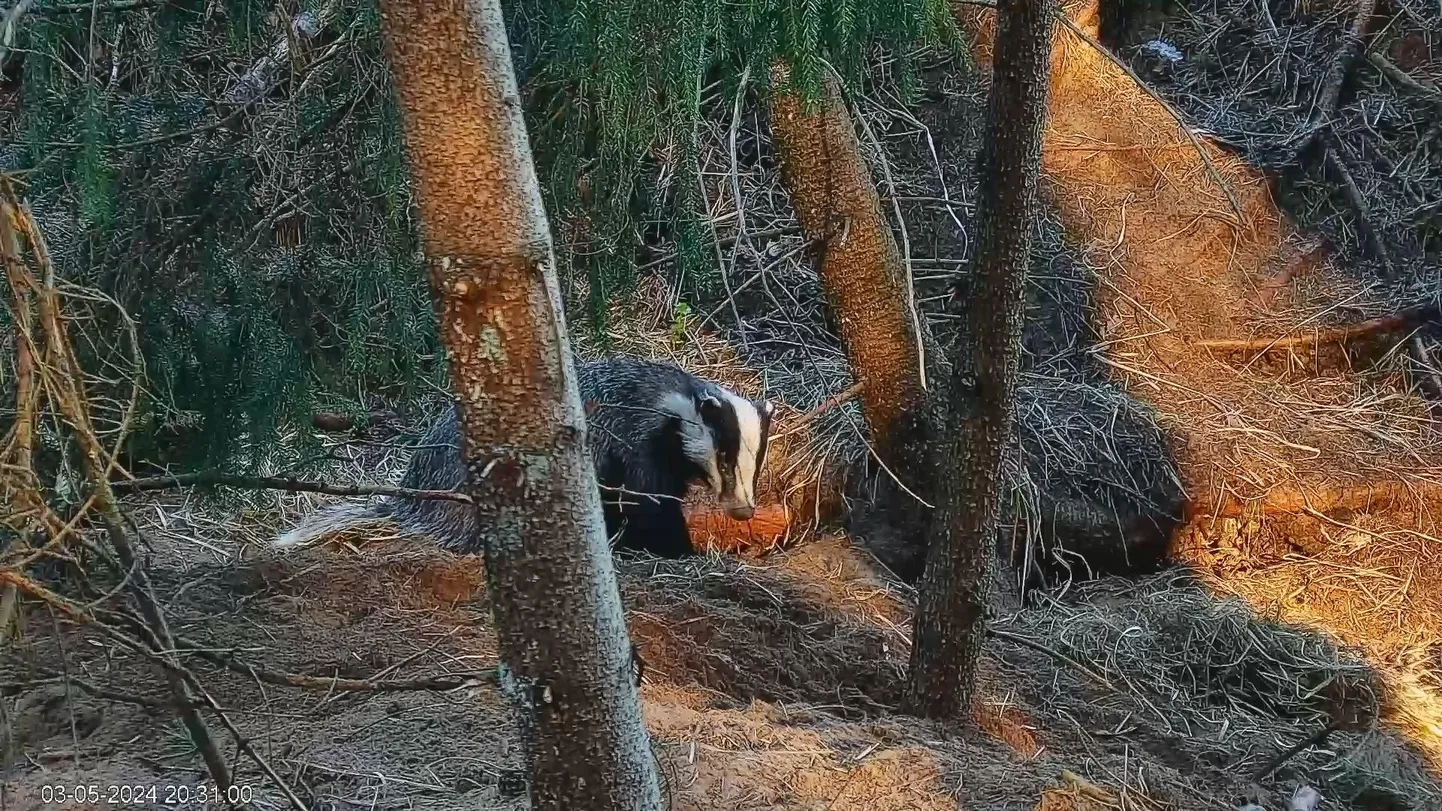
[653, 430]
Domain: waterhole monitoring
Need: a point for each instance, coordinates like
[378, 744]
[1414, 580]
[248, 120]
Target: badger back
[637, 424]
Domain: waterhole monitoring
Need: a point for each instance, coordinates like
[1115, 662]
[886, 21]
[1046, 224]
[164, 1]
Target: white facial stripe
[749, 423]
[696, 440]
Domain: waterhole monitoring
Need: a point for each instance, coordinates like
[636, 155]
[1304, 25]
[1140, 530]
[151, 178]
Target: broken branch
[215, 478]
[1407, 319]
[228, 660]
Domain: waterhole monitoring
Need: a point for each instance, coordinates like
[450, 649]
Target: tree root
[1315, 739]
[1407, 319]
[1347, 55]
[1429, 378]
[1402, 77]
[1380, 497]
[1333, 150]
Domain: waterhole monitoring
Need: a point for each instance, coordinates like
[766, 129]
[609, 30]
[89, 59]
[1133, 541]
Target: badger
[653, 430]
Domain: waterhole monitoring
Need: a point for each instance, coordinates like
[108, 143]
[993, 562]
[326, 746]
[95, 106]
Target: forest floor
[771, 680]
[769, 684]
[1313, 465]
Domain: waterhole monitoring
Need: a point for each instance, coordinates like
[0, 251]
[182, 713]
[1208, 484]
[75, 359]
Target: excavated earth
[1313, 470]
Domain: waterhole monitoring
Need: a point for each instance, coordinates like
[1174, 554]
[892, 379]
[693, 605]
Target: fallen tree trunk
[712, 530]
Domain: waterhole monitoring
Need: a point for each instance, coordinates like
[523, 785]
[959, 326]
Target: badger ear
[768, 408]
[709, 405]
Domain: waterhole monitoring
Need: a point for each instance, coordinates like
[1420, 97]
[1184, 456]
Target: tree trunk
[565, 653]
[861, 269]
[950, 624]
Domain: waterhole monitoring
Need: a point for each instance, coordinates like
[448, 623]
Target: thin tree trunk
[950, 624]
[861, 269]
[565, 652]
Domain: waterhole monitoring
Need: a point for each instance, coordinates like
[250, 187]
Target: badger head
[728, 446]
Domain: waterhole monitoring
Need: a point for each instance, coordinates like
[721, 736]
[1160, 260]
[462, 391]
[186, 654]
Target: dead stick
[244, 744]
[449, 681]
[86, 8]
[1315, 739]
[824, 406]
[1347, 55]
[1388, 323]
[1333, 156]
[1088, 788]
[1055, 654]
[146, 646]
[1427, 370]
[241, 742]
[27, 396]
[1402, 77]
[215, 478]
[70, 398]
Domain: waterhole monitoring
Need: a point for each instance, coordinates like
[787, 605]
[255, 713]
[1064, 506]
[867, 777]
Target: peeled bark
[950, 623]
[861, 269]
[565, 653]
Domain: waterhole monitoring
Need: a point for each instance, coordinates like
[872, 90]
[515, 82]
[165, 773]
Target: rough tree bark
[565, 653]
[950, 623]
[861, 269]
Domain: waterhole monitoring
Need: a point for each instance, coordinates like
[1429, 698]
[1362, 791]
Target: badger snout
[741, 512]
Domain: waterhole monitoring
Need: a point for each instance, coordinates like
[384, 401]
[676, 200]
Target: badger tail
[329, 521]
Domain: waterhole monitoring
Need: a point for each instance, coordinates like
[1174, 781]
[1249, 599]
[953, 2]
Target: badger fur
[652, 430]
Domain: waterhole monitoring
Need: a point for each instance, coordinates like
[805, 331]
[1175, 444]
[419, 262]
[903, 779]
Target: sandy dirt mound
[1314, 474]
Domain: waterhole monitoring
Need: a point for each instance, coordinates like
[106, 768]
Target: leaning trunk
[860, 267]
[565, 655]
[950, 624]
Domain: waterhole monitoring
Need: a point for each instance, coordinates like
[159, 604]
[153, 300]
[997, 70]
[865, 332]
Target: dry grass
[1315, 487]
[772, 681]
[768, 687]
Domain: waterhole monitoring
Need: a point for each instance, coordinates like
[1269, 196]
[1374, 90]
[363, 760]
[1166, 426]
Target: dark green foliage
[614, 95]
[267, 251]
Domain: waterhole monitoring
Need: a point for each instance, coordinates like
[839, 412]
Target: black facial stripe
[726, 432]
[765, 439]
